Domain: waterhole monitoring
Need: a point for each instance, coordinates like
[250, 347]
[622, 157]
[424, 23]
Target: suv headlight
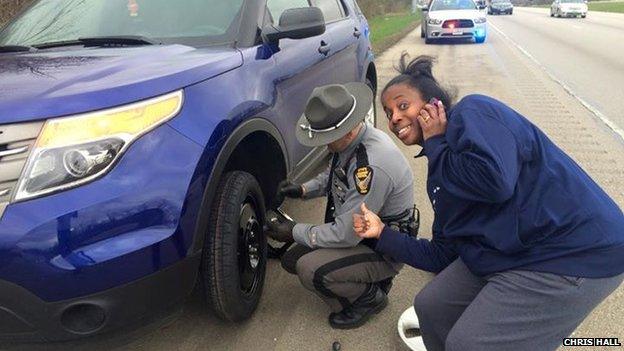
[479, 20]
[71, 151]
[434, 21]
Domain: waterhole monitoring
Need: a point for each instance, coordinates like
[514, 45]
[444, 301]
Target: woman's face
[402, 104]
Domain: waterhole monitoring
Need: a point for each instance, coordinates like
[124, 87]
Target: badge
[363, 177]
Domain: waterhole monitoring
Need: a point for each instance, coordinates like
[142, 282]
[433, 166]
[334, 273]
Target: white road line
[619, 131]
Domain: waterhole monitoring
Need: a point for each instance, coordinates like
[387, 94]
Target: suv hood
[455, 14]
[66, 81]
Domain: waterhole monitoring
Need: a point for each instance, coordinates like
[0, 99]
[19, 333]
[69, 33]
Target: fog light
[83, 319]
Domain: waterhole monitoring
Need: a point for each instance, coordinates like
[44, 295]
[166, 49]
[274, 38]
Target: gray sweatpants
[512, 310]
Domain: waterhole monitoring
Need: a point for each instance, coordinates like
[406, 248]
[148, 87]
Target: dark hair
[417, 74]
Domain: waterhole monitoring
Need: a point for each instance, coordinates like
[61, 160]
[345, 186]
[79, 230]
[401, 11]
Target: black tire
[235, 251]
[422, 32]
[552, 14]
[372, 87]
[583, 16]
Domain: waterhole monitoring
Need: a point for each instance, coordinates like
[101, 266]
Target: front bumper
[26, 317]
[80, 245]
[570, 13]
[437, 32]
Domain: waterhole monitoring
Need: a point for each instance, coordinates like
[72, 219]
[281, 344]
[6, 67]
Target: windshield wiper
[125, 40]
[112, 41]
[16, 48]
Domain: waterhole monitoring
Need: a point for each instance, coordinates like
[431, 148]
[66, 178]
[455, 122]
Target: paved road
[584, 54]
[290, 318]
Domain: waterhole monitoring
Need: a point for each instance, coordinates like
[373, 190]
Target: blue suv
[141, 142]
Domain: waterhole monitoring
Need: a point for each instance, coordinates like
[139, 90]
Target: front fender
[217, 162]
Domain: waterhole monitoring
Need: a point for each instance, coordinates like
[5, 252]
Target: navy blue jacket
[506, 197]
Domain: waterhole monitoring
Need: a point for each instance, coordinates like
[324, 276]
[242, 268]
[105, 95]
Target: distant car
[568, 8]
[500, 6]
[447, 19]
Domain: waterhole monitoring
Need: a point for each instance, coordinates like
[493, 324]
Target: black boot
[371, 302]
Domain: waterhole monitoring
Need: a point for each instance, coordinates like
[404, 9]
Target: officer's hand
[288, 189]
[367, 224]
[281, 231]
[432, 120]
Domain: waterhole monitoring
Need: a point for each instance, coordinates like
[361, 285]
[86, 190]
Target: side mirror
[424, 8]
[296, 23]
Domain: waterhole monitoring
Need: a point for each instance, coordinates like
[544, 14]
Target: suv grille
[16, 141]
[462, 23]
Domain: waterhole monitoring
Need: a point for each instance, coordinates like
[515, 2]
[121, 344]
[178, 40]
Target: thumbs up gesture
[367, 224]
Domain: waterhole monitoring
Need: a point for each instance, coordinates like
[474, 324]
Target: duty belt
[406, 222]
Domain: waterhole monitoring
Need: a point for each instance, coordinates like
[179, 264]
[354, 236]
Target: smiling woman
[214, 21]
[515, 219]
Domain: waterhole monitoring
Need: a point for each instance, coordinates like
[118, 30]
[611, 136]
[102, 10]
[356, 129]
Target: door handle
[324, 48]
[356, 33]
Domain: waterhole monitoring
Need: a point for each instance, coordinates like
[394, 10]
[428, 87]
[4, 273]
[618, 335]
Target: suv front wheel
[235, 251]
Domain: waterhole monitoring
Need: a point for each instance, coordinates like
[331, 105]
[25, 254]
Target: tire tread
[215, 265]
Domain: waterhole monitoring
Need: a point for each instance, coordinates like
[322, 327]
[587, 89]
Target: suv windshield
[192, 22]
[440, 5]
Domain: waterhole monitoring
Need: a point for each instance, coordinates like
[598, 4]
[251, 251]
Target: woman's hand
[432, 120]
[367, 224]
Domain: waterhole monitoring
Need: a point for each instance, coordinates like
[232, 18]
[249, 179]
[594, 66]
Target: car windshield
[440, 5]
[201, 22]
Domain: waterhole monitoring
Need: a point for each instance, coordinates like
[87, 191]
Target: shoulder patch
[363, 177]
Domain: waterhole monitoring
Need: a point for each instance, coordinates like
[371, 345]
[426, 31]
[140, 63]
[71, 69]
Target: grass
[607, 6]
[388, 29]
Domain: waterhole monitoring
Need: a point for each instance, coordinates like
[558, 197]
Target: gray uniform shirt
[390, 191]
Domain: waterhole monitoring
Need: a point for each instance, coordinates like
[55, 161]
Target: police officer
[366, 166]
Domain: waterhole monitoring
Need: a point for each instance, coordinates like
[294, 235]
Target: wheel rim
[250, 255]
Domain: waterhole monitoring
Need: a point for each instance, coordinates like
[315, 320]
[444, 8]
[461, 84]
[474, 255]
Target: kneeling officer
[366, 166]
